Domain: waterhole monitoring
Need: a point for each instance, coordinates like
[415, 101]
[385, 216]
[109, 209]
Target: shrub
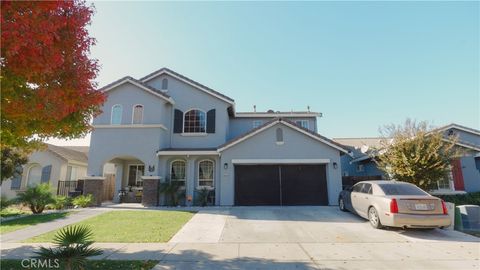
[203, 195]
[462, 199]
[60, 202]
[73, 247]
[36, 198]
[83, 200]
[173, 192]
[4, 203]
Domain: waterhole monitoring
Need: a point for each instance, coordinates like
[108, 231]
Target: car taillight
[444, 207]
[393, 206]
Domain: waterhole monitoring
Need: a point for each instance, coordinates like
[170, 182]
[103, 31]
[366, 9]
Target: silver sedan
[394, 204]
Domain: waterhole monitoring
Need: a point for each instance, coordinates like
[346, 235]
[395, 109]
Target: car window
[357, 188]
[401, 189]
[367, 188]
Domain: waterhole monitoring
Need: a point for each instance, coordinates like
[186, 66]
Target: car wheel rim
[373, 216]
[341, 204]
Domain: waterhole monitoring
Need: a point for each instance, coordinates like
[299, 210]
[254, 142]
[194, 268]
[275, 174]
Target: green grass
[23, 222]
[100, 264]
[130, 226]
[11, 212]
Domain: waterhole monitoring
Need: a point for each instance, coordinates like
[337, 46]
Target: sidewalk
[420, 255]
[35, 230]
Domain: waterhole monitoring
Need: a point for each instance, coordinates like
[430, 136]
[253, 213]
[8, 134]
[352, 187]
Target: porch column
[118, 181]
[151, 185]
[94, 185]
[190, 181]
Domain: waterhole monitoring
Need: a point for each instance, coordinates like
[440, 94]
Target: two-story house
[170, 126]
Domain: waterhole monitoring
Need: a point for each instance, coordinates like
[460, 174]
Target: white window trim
[213, 175]
[133, 113]
[171, 164]
[307, 126]
[194, 133]
[128, 173]
[30, 166]
[67, 178]
[111, 115]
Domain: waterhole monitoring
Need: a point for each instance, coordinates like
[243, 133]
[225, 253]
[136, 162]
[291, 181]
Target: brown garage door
[280, 185]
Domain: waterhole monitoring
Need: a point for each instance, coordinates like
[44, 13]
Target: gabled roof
[141, 85]
[459, 127]
[189, 81]
[287, 123]
[68, 154]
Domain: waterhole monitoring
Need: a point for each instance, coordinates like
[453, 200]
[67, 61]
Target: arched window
[194, 122]
[117, 111]
[34, 175]
[279, 135]
[137, 116]
[165, 84]
[206, 169]
[177, 171]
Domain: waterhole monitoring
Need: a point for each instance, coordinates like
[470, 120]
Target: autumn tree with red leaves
[47, 75]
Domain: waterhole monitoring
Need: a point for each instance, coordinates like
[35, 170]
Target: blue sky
[362, 64]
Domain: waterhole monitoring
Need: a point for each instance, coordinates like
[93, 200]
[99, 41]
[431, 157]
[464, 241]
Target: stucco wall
[42, 158]
[155, 110]
[471, 174]
[188, 97]
[140, 143]
[263, 146]
[239, 126]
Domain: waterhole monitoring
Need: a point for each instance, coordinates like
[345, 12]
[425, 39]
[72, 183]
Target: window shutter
[178, 121]
[17, 179]
[211, 121]
[46, 172]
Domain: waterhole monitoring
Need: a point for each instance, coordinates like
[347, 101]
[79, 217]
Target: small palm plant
[172, 189]
[36, 197]
[73, 247]
[203, 196]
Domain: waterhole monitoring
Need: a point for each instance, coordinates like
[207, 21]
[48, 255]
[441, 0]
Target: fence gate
[109, 187]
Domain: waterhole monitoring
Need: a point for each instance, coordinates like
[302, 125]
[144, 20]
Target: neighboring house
[54, 164]
[465, 171]
[169, 126]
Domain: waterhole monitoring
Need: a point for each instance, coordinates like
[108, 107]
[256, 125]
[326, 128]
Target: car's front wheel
[341, 205]
[374, 218]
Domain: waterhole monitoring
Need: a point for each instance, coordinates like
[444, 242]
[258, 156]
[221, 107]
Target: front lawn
[22, 222]
[12, 211]
[100, 264]
[144, 226]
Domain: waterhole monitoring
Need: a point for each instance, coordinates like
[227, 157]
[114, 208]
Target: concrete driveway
[312, 237]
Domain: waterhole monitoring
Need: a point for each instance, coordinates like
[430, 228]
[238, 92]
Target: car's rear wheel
[374, 218]
[341, 205]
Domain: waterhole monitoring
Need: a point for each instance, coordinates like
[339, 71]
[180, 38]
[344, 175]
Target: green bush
[61, 202]
[4, 203]
[36, 198]
[462, 199]
[203, 196]
[83, 200]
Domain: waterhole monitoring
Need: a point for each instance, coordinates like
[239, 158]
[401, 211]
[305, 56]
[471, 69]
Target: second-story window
[194, 122]
[117, 114]
[165, 84]
[137, 117]
[256, 123]
[302, 123]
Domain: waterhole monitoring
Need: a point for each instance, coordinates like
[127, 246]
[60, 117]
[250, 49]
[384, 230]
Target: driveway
[312, 237]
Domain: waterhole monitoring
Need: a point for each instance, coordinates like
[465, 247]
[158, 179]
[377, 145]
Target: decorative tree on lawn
[47, 77]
